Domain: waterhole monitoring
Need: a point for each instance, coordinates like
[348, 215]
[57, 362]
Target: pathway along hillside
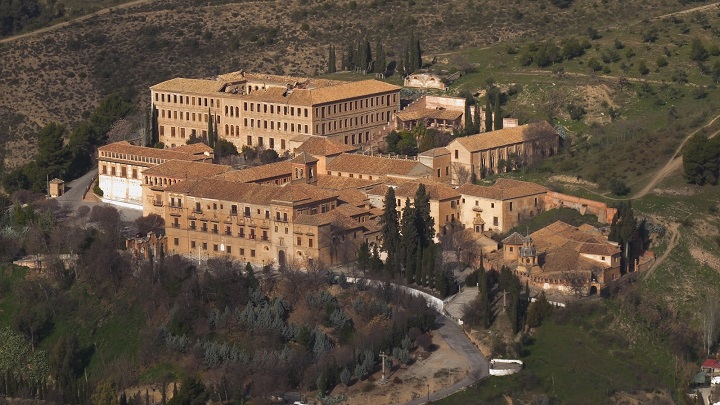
[674, 163]
[74, 20]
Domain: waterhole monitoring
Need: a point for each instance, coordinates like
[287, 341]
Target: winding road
[460, 343]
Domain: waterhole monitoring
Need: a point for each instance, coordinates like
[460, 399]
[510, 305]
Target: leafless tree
[711, 323]
[577, 282]
[544, 140]
[461, 173]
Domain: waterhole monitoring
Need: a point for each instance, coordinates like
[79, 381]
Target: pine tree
[498, 113]
[380, 59]
[488, 114]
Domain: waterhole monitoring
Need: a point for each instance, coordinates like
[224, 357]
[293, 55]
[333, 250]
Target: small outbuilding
[57, 187]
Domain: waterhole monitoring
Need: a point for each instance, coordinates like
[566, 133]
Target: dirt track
[74, 20]
[673, 164]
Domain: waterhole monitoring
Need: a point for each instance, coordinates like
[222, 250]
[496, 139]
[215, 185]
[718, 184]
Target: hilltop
[61, 74]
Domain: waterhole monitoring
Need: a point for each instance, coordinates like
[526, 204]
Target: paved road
[458, 341]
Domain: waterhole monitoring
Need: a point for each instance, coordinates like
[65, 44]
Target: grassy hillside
[60, 75]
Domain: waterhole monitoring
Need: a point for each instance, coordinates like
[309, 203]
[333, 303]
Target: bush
[97, 190]
[618, 187]
[661, 61]
[576, 111]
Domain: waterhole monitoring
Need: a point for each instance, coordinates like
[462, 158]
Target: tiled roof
[378, 166]
[322, 146]
[435, 152]
[436, 191]
[353, 197]
[166, 154]
[182, 169]
[430, 113]
[381, 189]
[251, 193]
[514, 239]
[711, 363]
[306, 91]
[198, 86]
[343, 183]
[304, 157]
[503, 189]
[505, 136]
[259, 173]
[330, 217]
[563, 243]
[351, 90]
[193, 149]
[599, 249]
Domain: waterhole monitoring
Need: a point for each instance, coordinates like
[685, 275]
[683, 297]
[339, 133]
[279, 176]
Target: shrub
[661, 61]
[97, 190]
[618, 187]
[642, 68]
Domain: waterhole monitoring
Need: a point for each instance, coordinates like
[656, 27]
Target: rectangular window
[456, 154]
[242, 251]
[252, 252]
[215, 247]
[249, 140]
[511, 204]
[310, 242]
[228, 250]
[176, 242]
[192, 244]
[495, 221]
[299, 241]
[204, 246]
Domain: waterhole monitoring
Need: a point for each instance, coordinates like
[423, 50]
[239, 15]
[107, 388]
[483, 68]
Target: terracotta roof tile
[435, 152]
[429, 113]
[194, 149]
[218, 189]
[353, 197]
[506, 136]
[436, 191]
[503, 189]
[186, 170]
[343, 183]
[514, 239]
[322, 146]
[198, 86]
[378, 166]
[164, 154]
[259, 173]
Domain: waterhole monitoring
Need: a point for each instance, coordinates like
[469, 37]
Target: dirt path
[74, 20]
[690, 10]
[673, 164]
[674, 229]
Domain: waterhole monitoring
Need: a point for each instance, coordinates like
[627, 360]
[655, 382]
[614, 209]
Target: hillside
[61, 74]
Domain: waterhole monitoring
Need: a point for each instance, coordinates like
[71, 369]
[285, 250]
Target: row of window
[350, 123]
[187, 116]
[181, 130]
[131, 157]
[352, 175]
[355, 105]
[187, 100]
[268, 109]
[123, 171]
[216, 248]
[281, 126]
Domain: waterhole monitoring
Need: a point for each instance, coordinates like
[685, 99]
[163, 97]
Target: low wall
[499, 367]
[432, 301]
[604, 213]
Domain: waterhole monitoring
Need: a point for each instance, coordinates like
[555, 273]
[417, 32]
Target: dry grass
[60, 75]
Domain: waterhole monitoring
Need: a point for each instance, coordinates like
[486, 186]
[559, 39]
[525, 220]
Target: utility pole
[383, 356]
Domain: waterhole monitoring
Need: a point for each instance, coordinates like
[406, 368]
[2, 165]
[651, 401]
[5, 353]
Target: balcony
[228, 233]
[175, 211]
[157, 203]
[215, 231]
[265, 239]
[175, 225]
[251, 236]
[477, 209]
[204, 229]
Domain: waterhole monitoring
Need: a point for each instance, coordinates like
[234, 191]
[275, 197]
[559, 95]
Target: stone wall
[604, 213]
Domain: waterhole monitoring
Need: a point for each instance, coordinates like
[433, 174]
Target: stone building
[500, 207]
[263, 224]
[269, 110]
[425, 81]
[444, 201]
[501, 150]
[374, 167]
[121, 166]
[577, 260]
[438, 112]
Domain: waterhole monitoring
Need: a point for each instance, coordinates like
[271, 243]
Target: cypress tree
[488, 114]
[367, 56]
[411, 55]
[409, 241]
[154, 128]
[380, 58]
[424, 222]
[498, 113]
[390, 223]
[468, 119]
[210, 128]
[418, 54]
[476, 119]
[349, 57]
[331, 68]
